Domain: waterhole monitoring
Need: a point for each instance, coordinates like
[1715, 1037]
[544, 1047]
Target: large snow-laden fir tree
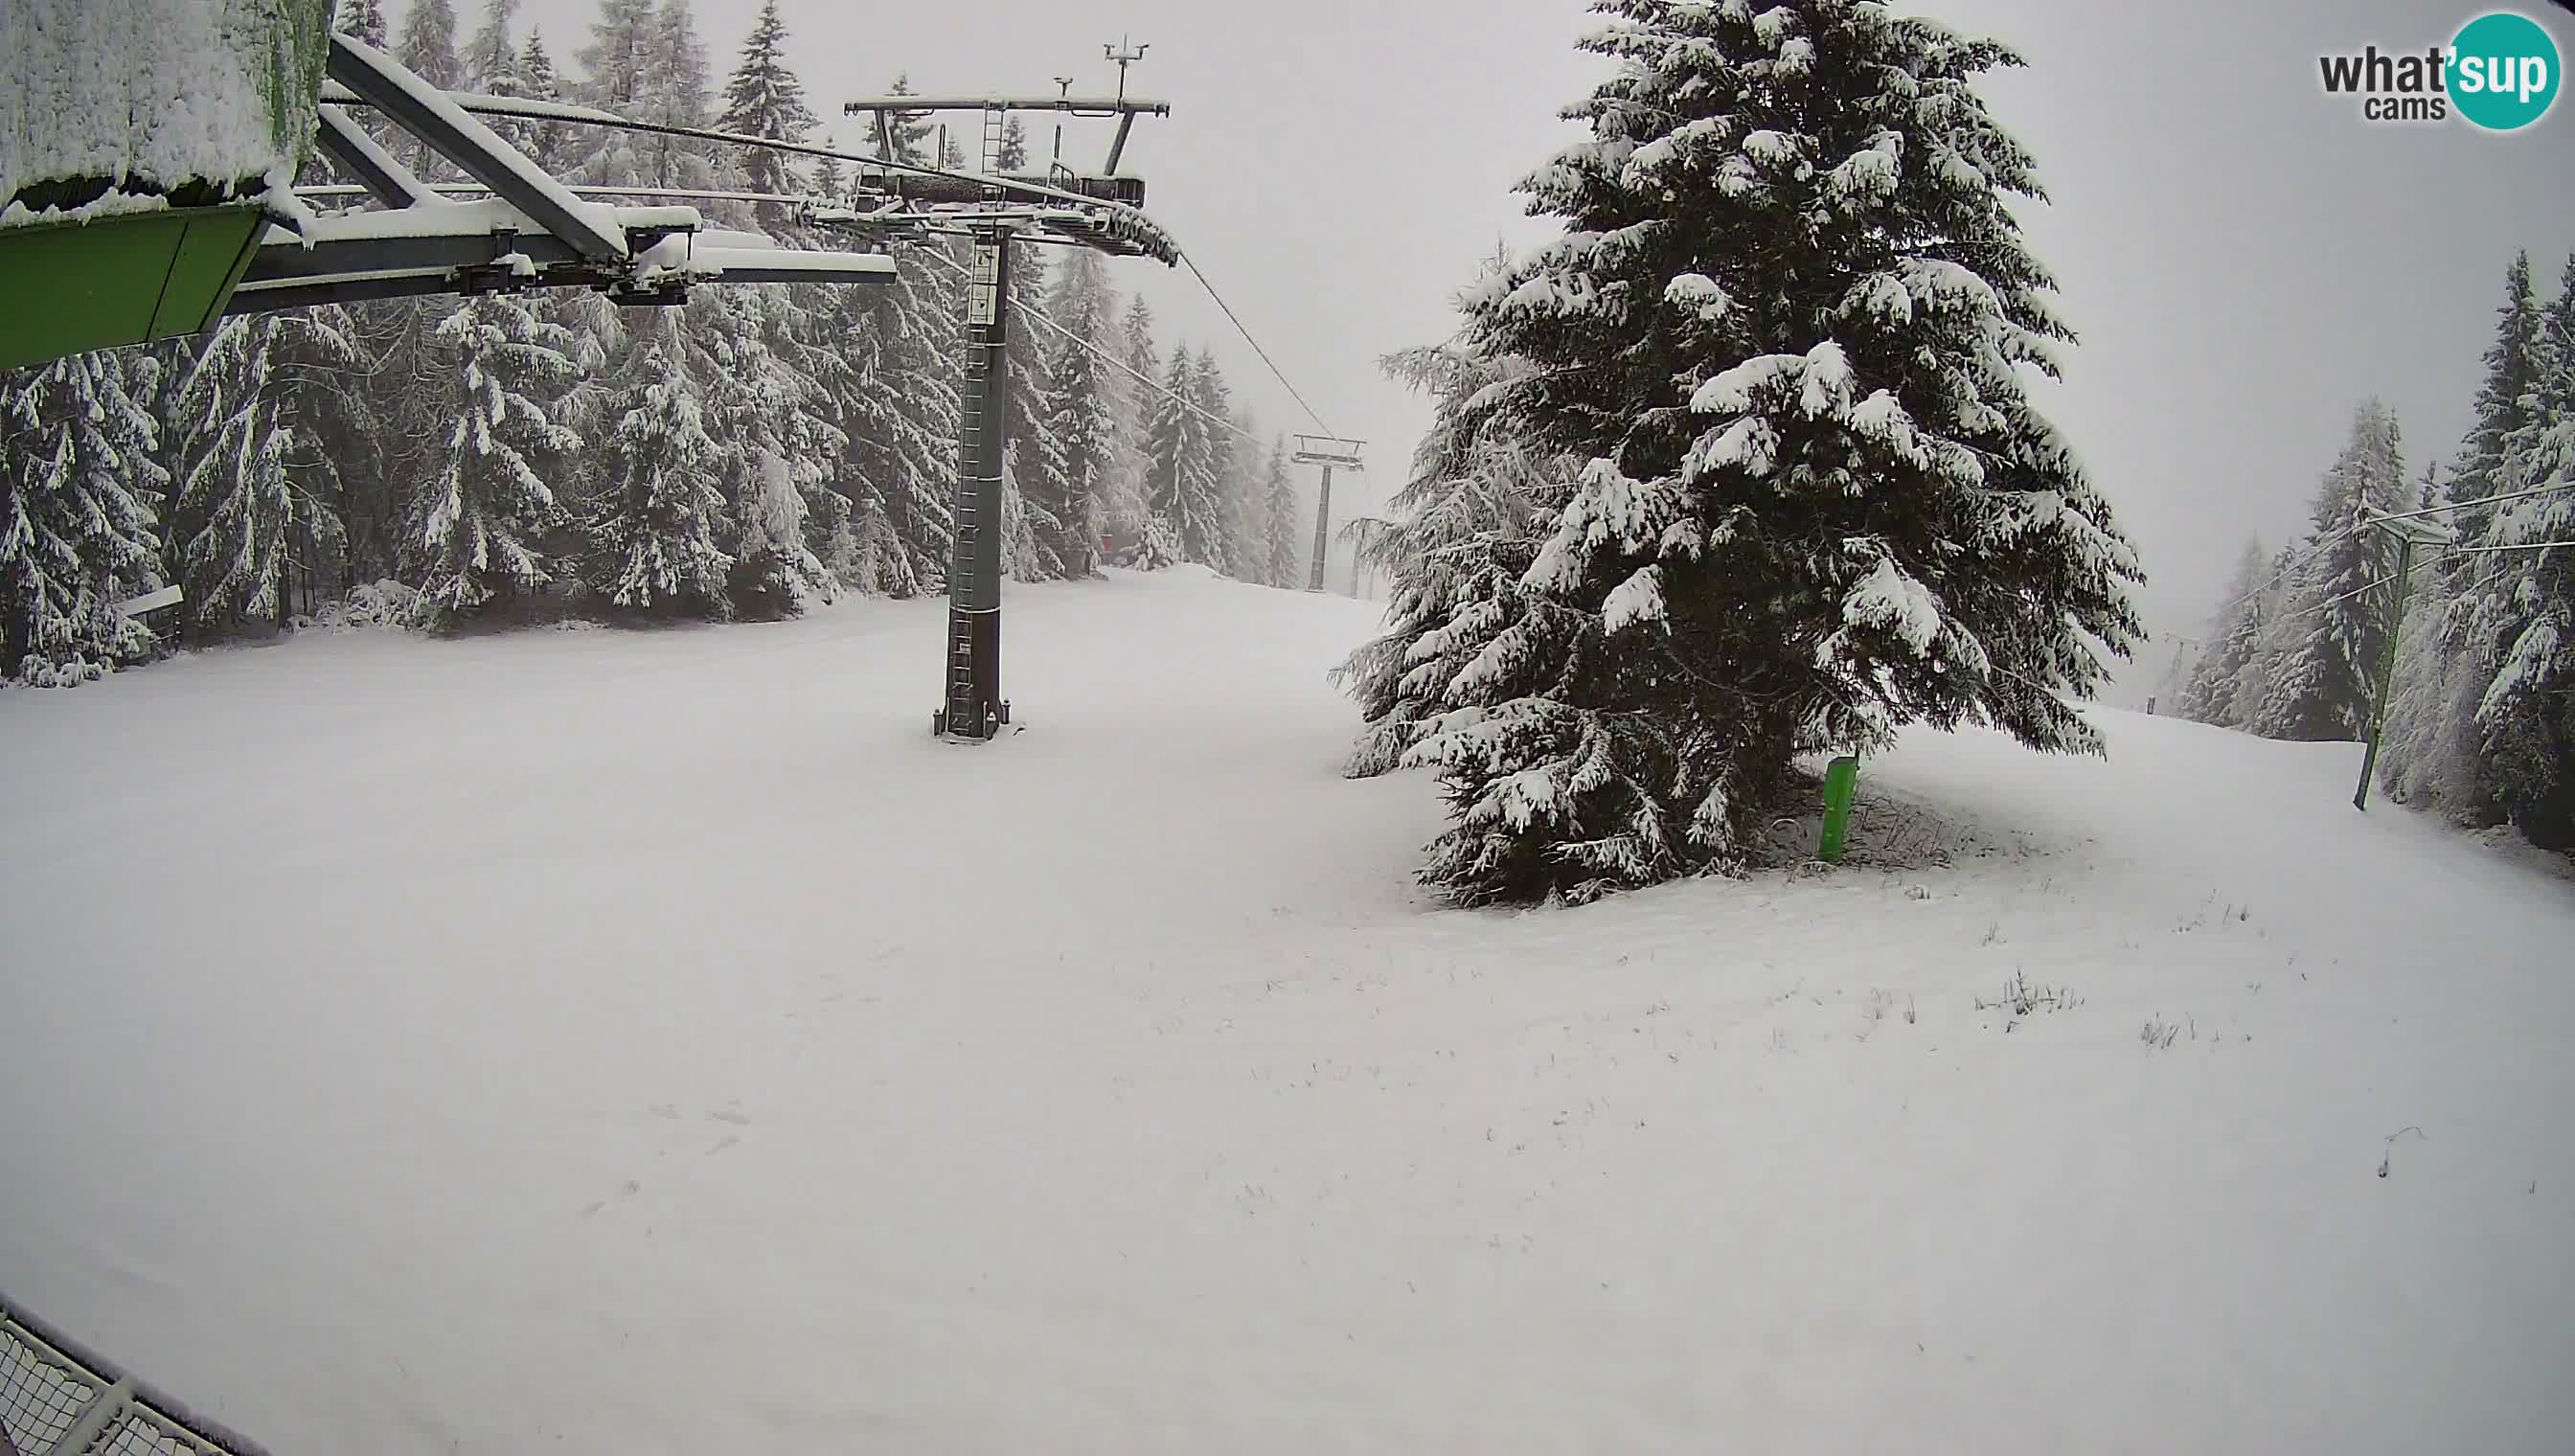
[363, 20]
[1183, 484]
[655, 523]
[2522, 610]
[1130, 506]
[1083, 408]
[483, 521]
[1246, 495]
[258, 493]
[764, 412]
[2234, 636]
[1282, 518]
[78, 486]
[1037, 482]
[1209, 532]
[427, 46]
[490, 60]
[764, 98]
[2321, 686]
[547, 143]
[490, 63]
[1471, 490]
[645, 63]
[1786, 326]
[2435, 752]
[2513, 367]
[909, 439]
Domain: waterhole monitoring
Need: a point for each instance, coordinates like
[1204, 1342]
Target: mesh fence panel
[47, 1383]
[140, 1435]
[39, 1396]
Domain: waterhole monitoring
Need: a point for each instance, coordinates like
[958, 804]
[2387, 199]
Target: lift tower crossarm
[432, 116]
[1077, 105]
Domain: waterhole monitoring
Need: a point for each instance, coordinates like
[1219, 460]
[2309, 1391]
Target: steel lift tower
[1000, 214]
[1329, 451]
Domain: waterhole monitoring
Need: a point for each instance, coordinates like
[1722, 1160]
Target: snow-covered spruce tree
[1083, 408]
[1173, 441]
[775, 571]
[2277, 632]
[920, 318]
[854, 355]
[427, 46]
[2234, 633]
[765, 413]
[798, 331]
[1247, 499]
[2513, 367]
[2320, 687]
[1129, 506]
[1473, 491]
[77, 532]
[1159, 547]
[845, 336]
[1039, 476]
[827, 335]
[1177, 494]
[483, 521]
[1785, 326]
[545, 142]
[678, 89]
[653, 524]
[491, 59]
[1207, 524]
[363, 20]
[617, 67]
[764, 98]
[256, 494]
[1280, 558]
[2524, 600]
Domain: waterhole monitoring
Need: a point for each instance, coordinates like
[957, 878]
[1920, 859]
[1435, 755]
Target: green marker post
[1841, 781]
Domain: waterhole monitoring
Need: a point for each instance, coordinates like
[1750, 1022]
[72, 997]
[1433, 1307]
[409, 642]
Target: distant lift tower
[997, 212]
[1328, 451]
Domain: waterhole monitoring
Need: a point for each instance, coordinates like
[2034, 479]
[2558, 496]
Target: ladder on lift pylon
[995, 130]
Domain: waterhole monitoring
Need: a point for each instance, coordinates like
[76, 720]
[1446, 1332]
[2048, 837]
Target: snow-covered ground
[588, 1042]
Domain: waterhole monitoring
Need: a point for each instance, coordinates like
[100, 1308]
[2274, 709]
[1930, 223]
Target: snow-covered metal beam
[789, 264]
[468, 247]
[427, 113]
[387, 180]
[1076, 105]
[271, 298]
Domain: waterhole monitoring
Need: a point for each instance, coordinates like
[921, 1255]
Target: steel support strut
[975, 709]
[1322, 531]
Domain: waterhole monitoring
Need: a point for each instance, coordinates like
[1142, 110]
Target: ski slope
[587, 1041]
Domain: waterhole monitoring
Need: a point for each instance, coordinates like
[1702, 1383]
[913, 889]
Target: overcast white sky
[2244, 257]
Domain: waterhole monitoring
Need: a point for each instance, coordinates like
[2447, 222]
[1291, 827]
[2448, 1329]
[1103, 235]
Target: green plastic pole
[1841, 781]
[2386, 671]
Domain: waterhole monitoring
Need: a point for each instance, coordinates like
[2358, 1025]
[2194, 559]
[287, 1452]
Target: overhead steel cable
[1103, 355]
